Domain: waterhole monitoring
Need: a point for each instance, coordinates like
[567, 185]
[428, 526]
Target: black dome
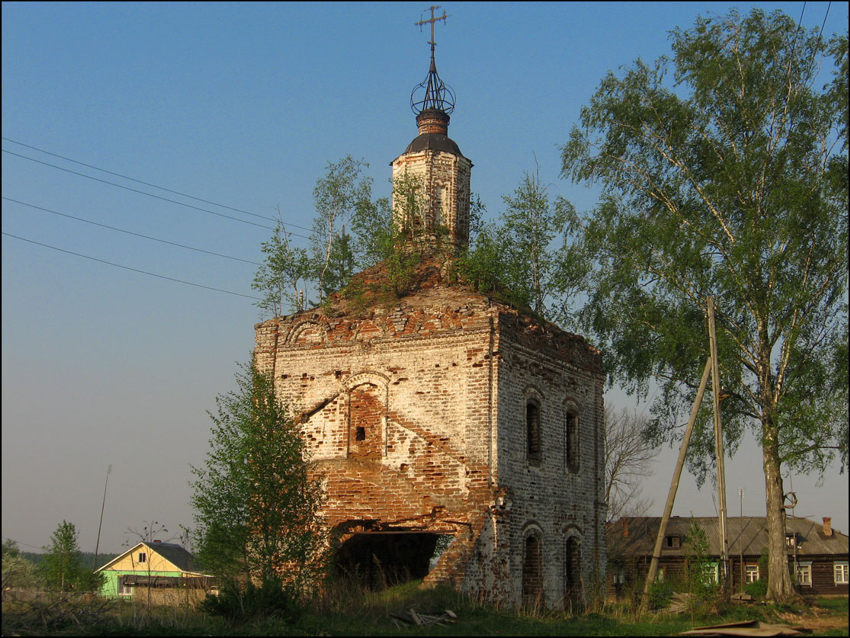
[433, 142]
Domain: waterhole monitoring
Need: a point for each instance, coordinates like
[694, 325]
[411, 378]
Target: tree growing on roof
[527, 255]
[728, 179]
[338, 195]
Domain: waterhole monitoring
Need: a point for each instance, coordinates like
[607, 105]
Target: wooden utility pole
[674, 486]
[102, 506]
[718, 449]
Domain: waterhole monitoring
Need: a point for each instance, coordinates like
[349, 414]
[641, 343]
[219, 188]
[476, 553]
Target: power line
[144, 272]
[130, 232]
[826, 15]
[138, 181]
[134, 190]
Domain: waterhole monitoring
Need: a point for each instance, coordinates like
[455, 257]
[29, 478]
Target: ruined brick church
[446, 419]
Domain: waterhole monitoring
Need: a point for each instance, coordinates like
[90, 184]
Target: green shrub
[659, 595]
[757, 589]
[271, 599]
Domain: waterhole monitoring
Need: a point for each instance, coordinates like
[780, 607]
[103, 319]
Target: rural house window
[672, 542]
[142, 557]
[804, 573]
[619, 576]
[790, 539]
[839, 572]
[123, 590]
[711, 573]
[572, 442]
[751, 573]
[532, 428]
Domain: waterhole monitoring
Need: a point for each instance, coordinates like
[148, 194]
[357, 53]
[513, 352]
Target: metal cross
[432, 21]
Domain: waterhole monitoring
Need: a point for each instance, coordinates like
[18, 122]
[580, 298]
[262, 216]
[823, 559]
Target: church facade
[459, 439]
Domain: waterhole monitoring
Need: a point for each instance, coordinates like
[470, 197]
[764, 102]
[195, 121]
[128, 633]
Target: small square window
[672, 542]
[142, 557]
[360, 433]
[839, 571]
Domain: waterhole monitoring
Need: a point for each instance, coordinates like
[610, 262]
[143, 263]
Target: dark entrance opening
[572, 573]
[532, 573]
[381, 559]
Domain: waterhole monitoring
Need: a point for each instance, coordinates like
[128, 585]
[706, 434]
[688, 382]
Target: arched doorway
[532, 572]
[384, 559]
[572, 574]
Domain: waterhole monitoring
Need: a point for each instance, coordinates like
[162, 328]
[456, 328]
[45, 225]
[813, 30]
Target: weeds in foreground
[346, 609]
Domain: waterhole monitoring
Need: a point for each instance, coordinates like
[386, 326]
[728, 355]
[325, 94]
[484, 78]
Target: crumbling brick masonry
[447, 413]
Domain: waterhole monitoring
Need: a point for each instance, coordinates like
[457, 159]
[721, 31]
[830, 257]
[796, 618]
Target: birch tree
[727, 178]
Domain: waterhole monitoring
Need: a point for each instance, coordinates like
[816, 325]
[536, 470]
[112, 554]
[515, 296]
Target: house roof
[747, 535]
[177, 555]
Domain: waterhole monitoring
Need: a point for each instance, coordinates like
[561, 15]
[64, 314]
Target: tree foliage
[255, 501]
[393, 232]
[699, 570]
[338, 195]
[282, 277]
[526, 255]
[728, 179]
[18, 572]
[290, 274]
[62, 566]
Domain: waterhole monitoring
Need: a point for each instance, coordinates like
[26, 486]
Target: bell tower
[433, 165]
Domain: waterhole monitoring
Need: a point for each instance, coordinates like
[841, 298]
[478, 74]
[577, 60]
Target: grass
[347, 611]
[837, 603]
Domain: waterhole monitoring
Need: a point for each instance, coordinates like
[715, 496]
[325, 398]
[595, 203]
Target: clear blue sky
[243, 105]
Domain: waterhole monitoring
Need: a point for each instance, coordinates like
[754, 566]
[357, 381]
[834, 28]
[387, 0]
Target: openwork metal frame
[432, 93]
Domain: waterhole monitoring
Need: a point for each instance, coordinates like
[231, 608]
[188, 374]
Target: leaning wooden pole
[102, 506]
[718, 449]
[674, 486]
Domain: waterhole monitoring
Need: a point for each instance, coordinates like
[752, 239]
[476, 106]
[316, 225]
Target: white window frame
[804, 574]
[751, 573]
[840, 573]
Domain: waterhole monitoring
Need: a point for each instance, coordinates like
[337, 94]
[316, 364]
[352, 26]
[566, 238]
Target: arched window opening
[532, 573]
[572, 441]
[366, 410]
[572, 575]
[532, 428]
